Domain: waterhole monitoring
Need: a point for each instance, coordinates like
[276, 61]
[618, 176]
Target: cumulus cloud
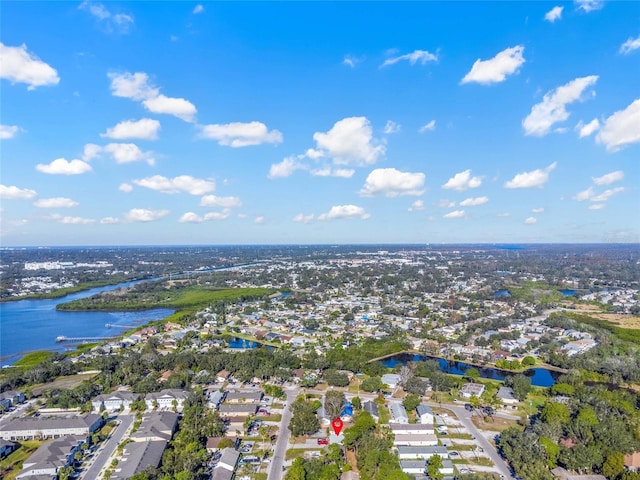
[554, 14]
[181, 183]
[393, 183]
[91, 151]
[416, 206]
[584, 195]
[474, 202]
[333, 172]
[109, 220]
[391, 127]
[191, 217]
[143, 129]
[462, 181]
[198, 9]
[533, 179]
[455, 214]
[138, 87]
[344, 212]
[20, 66]
[239, 134]
[350, 142]
[8, 131]
[537, 210]
[496, 69]
[302, 218]
[143, 215]
[622, 128]
[553, 108]
[584, 130]
[285, 168]
[530, 221]
[110, 22]
[11, 192]
[609, 178]
[630, 45]
[417, 56]
[589, 5]
[60, 166]
[607, 194]
[428, 127]
[128, 152]
[125, 187]
[223, 202]
[55, 202]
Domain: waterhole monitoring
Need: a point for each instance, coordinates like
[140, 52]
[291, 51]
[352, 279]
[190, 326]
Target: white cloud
[144, 129]
[109, 220]
[455, 214]
[531, 221]
[462, 181]
[302, 218]
[584, 195]
[239, 134]
[414, 57]
[181, 183]
[596, 206]
[125, 187]
[259, 220]
[8, 131]
[351, 61]
[537, 210]
[333, 172]
[496, 69]
[344, 211]
[350, 142]
[128, 152]
[11, 192]
[19, 66]
[607, 194]
[554, 14]
[224, 202]
[56, 202]
[111, 22]
[622, 128]
[91, 151]
[553, 109]
[391, 127]
[76, 220]
[198, 9]
[416, 206]
[584, 130]
[428, 127]
[137, 87]
[534, 179]
[60, 166]
[393, 183]
[144, 215]
[609, 178]
[446, 203]
[191, 217]
[589, 5]
[630, 45]
[504, 215]
[474, 202]
[285, 168]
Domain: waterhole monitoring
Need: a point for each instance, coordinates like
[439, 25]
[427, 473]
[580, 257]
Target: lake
[540, 377]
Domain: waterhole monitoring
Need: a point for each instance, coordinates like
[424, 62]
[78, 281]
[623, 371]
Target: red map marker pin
[337, 425]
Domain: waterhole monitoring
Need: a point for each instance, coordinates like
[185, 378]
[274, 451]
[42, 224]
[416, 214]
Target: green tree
[555, 413]
[411, 401]
[334, 402]
[435, 464]
[371, 384]
[521, 386]
[357, 403]
[613, 466]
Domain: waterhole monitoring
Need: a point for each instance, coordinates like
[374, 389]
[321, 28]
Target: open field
[68, 382]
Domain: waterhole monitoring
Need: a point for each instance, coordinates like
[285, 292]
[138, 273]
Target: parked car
[323, 441]
[468, 407]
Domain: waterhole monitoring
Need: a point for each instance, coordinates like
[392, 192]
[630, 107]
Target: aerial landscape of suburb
[314, 240]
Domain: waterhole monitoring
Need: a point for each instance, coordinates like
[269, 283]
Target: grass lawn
[294, 453]
[66, 382]
[384, 414]
[11, 466]
[271, 418]
[32, 359]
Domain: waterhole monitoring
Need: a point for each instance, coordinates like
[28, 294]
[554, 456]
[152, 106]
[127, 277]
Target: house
[156, 426]
[244, 396]
[216, 397]
[411, 429]
[120, 399]
[7, 447]
[50, 457]
[138, 456]
[413, 467]
[213, 444]
[561, 473]
[223, 375]
[425, 414]
[166, 399]
[398, 413]
[29, 428]
[632, 462]
[506, 395]
[11, 398]
[391, 380]
[415, 440]
[447, 467]
[372, 408]
[425, 453]
[238, 410]
[228, 459]
[471, 389]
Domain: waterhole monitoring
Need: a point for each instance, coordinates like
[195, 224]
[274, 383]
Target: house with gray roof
[244, 396]
[156, 426]
[425, 414]
[29, 428]
[506, 395]
[238, 410]
[424, 453]
[138, 456]
[120, 399]
[50, 457]
[372, 408]
[398, 413]
[228, 459]
[166, 399]
[413, 467]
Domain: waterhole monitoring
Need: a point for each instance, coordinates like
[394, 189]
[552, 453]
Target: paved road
[465, 418]
[275, 467]
[103, 455]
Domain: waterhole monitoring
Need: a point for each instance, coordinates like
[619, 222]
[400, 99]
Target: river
[540, 377]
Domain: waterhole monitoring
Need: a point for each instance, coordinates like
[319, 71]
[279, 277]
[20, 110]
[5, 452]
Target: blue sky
[230, 122]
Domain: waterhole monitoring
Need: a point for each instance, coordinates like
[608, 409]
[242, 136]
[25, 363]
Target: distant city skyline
[137, 123]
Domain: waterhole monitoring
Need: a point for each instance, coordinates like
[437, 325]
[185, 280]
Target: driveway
[102, 457]
[275, 467]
